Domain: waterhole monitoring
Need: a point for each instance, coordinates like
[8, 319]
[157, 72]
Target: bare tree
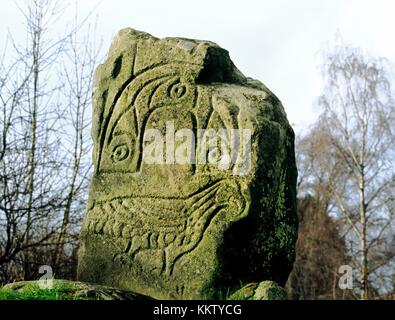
[321, 247]
[77, 74]
[44, 92]
[320, 251]
[358, 123]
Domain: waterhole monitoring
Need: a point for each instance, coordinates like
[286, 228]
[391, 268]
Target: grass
[42, 294]
[59, 291]
[33, 293]
[65, 290]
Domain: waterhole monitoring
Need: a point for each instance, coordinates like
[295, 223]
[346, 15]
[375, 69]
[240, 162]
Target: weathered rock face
[193, 191]
[265, 290]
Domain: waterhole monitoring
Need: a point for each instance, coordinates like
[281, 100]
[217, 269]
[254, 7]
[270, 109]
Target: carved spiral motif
[120, 152]
[177, 90]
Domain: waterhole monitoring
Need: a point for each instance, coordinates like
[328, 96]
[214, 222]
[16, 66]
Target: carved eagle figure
[166, 226]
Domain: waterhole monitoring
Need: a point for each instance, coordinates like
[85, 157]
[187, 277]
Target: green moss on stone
[187, 231]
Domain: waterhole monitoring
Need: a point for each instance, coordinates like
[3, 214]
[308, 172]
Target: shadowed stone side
[192, 230]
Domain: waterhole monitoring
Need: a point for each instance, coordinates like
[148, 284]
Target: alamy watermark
[346, 279]
[228, 149]
[46, 280]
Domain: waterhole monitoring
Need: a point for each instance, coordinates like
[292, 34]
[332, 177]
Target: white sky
[276, 41]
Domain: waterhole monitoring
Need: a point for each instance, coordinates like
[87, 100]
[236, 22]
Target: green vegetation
[64, 290]
[34, 292]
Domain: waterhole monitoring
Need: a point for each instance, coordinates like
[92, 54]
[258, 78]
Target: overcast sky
[276, 41]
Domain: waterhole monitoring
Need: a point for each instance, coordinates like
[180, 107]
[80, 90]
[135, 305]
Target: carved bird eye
[120, 152]
[177, 90]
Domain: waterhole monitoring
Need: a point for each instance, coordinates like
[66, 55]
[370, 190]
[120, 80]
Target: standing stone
[175, 211]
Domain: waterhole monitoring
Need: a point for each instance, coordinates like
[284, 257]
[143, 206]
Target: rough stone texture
[183, 231]
[73, 290]
[265, 290]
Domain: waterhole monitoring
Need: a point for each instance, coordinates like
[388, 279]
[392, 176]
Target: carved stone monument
[194, 185]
